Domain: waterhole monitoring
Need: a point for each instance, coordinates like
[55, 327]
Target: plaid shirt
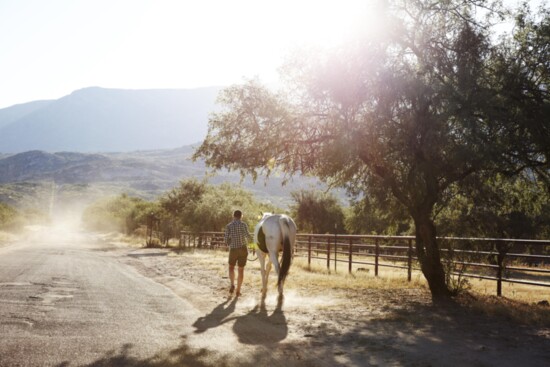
[236, 234]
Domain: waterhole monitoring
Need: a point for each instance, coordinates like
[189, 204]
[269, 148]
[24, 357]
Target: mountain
[109, 120]
[14, 113]
[38, 178]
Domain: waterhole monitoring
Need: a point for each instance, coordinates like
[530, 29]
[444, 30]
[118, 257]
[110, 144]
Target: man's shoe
[232, 289]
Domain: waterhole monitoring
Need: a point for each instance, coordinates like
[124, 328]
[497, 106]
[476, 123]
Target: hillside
[14, 113]
[108, 120]
[76, 179]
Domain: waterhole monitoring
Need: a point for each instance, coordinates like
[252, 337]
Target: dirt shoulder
[320, 325]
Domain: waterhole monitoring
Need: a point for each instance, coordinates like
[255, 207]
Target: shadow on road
[419, 334]
[258, 327]
[180, 357]
[217, 317]
[255, 327]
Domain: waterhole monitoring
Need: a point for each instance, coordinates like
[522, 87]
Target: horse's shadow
[255, 327]
[259, 327]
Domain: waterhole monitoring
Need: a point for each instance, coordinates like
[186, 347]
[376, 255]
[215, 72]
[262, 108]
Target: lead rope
[252, 256]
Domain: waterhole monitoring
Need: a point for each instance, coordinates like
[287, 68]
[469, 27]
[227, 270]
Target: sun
[269, 31]
[329, 22]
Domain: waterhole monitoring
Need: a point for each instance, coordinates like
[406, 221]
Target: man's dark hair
[237, 214]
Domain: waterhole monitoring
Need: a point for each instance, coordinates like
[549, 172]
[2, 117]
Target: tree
[199, 206]
[317, 212]
[411, 111]
[121, 213]
[181, 201]
[497, 207]
[9, 217]
[369, 215]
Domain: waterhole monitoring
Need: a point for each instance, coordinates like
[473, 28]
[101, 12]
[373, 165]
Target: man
[237, 237]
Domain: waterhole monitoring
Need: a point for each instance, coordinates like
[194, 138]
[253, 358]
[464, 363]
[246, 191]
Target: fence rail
[502, 260]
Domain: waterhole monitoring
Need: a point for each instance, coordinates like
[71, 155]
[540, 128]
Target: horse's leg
[263, 267]
[267, 270]
[273, 256]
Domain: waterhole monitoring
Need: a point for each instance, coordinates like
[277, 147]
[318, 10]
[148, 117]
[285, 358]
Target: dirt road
[72, 300]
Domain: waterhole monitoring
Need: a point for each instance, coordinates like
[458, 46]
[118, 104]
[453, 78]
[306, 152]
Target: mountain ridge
[98, 119]
[145, 174]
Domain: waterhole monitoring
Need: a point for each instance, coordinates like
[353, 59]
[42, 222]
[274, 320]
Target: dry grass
[506, 308]
[518, 303]
[317, 276]
[517, 292]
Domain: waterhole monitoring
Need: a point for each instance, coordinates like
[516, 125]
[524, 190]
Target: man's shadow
[217, 317]
[256, 327]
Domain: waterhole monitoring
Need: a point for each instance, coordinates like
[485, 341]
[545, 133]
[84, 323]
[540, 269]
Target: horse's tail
[287, 249]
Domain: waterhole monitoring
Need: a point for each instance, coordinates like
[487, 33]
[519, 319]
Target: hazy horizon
[53, 48]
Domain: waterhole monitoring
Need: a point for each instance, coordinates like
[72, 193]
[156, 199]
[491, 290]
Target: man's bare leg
[232, 278]
[240, 278]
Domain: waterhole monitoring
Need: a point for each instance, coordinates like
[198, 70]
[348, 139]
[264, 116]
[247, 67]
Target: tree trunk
[429, 257]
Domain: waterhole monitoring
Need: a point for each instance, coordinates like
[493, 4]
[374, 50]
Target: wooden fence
[501, 260]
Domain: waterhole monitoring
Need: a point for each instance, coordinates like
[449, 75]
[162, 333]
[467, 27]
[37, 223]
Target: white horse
[275, 232]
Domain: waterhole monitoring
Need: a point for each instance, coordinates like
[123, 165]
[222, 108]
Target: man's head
[237, 214]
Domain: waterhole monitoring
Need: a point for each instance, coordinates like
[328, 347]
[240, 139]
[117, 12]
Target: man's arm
[226, 237]
[248, 236]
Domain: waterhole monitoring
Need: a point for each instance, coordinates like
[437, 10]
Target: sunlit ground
[316, 277]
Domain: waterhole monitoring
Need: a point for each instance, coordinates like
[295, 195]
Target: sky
[49, 48]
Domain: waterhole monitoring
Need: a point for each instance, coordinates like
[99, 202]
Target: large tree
[410, 110]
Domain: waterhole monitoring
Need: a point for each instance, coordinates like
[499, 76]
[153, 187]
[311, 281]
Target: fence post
[350, 254]
[309, 251]
[501, 248]
[409, 261]
[328, 254]
[335, 250]
[376, 253]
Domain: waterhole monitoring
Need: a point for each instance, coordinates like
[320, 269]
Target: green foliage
[9, 217]
[192, 206]
[199, 206]
[370, 216]
[136, 216]
[317, 212]
[12, 219]
[501, 207]
[122, 213]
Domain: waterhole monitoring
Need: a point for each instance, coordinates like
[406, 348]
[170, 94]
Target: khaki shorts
[238, 255]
